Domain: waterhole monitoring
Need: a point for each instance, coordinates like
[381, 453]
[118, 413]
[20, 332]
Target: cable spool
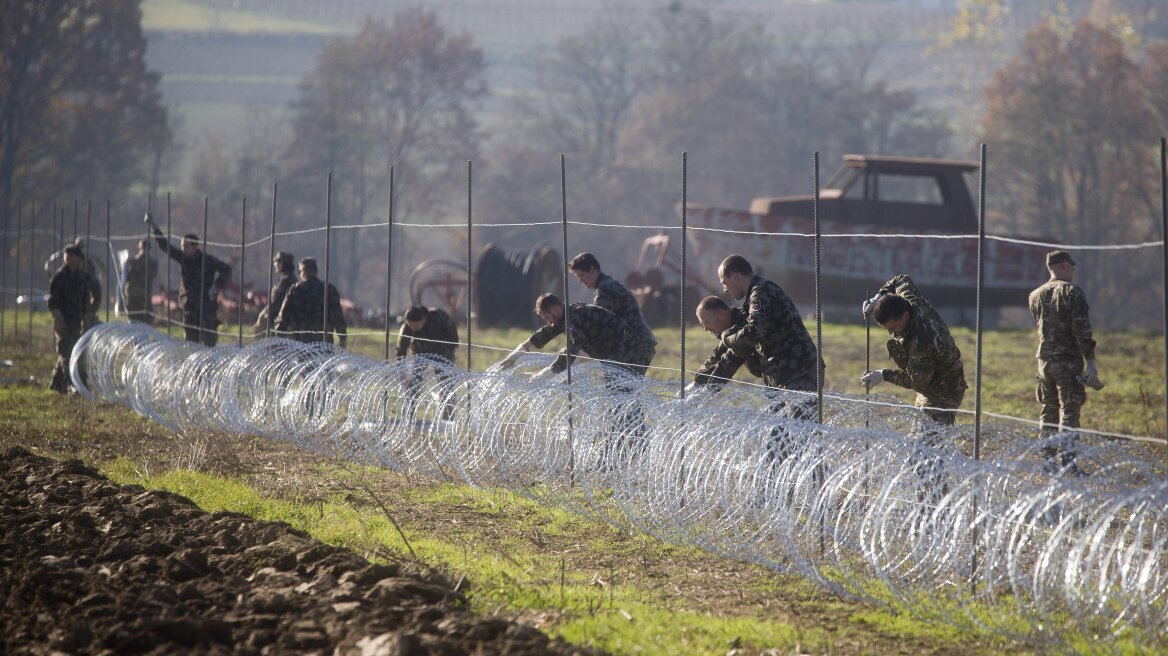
[509, 282]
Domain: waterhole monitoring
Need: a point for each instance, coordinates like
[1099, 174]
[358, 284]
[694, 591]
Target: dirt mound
[87, 566]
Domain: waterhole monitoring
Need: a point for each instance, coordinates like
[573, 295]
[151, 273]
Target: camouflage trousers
[202, 331]
[642, 357]
[1060, 392]
[65, 342]
[939, 406]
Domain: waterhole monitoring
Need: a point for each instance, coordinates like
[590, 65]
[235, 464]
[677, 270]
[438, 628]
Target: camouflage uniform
[138, 279]
[275, 301]
[69, 293]
[302, 315]
[1064, 342]
[927, 358]
[595, 330]
[613, 296]
[436, 342]
[774, 334]
[199, 273]
[722, 363]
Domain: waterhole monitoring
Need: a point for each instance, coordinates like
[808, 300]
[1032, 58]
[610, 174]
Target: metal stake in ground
[168, 260]
[242, 265]
[31, 267]
[328, 230]
[681, 282]
[203, 277]
[568, 355]
[389, 266]
[271, 258]
[109, 255]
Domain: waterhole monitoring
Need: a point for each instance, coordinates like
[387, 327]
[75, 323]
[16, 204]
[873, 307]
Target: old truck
[878, 216]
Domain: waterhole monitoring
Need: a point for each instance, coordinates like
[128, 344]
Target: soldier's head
[714, 314]
[189, 244]
[74, 257]
[586, 268]
[416, 317]
[735, 274]
[283, 262]
[307, 268]
[893, 313]
[1060, 265]
[550, 308]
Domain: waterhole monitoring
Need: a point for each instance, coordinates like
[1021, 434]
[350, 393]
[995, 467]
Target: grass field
[570, 575]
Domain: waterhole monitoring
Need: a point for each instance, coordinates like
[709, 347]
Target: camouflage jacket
[1064, 327]
[722, 363]
[774, 334]
[276, 300]
[137, 280]
[199, 273]
[927, 358]
[302, 316]
[70, 292]
[613, 296]
[438, 336]
[594, 330]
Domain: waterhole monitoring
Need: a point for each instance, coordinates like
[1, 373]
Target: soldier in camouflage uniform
[1064, 343]
[927, 359]
[716, 317]
[69, 294]
[773, 331]
[137, 280]
[302, 316]
[610, 294]
[202, 276]
[432, 334]
[285, 265]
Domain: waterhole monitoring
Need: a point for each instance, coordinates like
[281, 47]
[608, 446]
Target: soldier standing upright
[773, 331]
[1064, 343]
[202, 276]
[69, 292]
[303, 318]
[610, 294]
[285, 266]
[137, 280]
[927, 359]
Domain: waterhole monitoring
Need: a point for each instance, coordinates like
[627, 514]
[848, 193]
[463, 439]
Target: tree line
[1072, 118]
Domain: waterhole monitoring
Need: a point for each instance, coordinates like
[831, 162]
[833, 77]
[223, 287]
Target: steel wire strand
[887, 513]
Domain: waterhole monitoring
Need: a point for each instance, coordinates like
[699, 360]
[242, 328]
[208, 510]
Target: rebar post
[389, 266]
[272, 259]
[681, 282]
[328, 232]
[242, 265]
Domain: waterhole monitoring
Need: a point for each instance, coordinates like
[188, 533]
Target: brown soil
[87, 566]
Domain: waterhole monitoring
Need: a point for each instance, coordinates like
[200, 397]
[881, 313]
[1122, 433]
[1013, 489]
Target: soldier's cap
[1054, 257]
[74, 249]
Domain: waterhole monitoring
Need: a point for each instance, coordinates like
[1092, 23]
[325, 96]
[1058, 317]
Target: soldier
[286, 267]
[612, 295]
[69, 299]
[302, 316]
[202, 277]
[1064, 342]
[927, 358]
[137, 280]
[716, 317]
[431, 333]
[773, 331]
[595, 330]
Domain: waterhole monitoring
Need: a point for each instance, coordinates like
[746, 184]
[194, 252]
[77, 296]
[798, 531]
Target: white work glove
[1092, 379]
[872, 378]
[542, 374]
[867, 308]
[148, 220]
[58, 322]
[512, 357]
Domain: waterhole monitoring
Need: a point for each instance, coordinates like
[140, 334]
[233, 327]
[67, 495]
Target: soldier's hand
[867, 307]
[1092, 378]
[58, 322]
[148, 219]
[871, 379]
[542, 374]
[513, 356]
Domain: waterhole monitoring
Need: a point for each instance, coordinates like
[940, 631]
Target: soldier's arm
[541, 337]
[918, 372]
[339, 325]
[719, 367]
[283, 322]
[222, 273]
[56, 290]
[1081, 325]
[173, 251]
[450, 332]
[904, 287]
[742, 340]
[405, 337]
[95, 294]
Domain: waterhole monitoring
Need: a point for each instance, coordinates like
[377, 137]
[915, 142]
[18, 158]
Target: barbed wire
[876, 503]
